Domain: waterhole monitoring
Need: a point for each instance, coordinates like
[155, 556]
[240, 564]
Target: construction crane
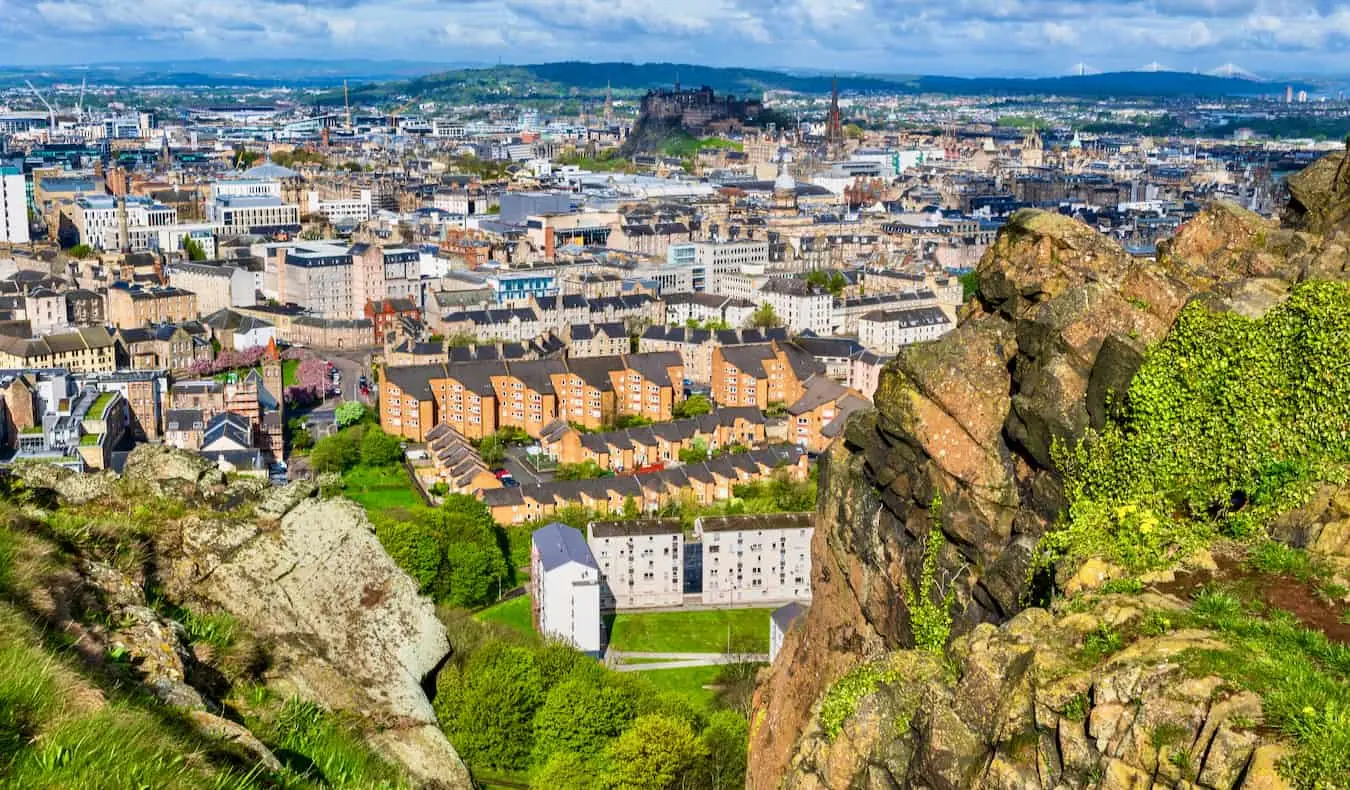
[347, 102]
[79, 108]
[51, 111]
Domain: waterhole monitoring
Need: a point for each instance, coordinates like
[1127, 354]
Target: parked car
[501, 473]
[510, 482]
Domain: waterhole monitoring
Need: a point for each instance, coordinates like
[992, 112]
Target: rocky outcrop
[1319, 195]
[346, 627]
[1033, 711]
[343, 626]
[1058, 328]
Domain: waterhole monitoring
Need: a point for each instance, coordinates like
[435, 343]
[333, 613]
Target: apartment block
[218, 285]
[135, 305]
[87, 350]
[565, 587]
[641, 562]
[888, 331]
[756, 559]
[761, 374]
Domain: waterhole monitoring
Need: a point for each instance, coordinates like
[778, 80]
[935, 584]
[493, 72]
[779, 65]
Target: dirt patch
[1273, 591]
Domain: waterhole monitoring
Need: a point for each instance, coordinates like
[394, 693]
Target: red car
[501, 473]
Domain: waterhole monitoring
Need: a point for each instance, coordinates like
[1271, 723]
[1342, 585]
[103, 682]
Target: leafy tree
[828, 280]
[512, 434]
[630, 507]
[565, 769]
[336, 453]
[696, 453]
[692, 406]
[724, 741]
[80, 251]
[414, 549]
[656, 753]
[630, 421]
[194, 249]
[349, 413]
[475, 571]
[765, 317]
[491, 724]
[301, 439]
[579, 716]
[492, 450]
[379, 448]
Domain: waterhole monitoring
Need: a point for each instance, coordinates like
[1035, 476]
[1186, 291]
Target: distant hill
[421, 80]
[561, 79]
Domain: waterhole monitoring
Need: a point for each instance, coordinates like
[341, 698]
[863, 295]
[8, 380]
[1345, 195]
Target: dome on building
[784, 182]
[270, 170]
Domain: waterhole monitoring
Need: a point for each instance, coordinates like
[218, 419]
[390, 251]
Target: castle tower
[609, 104]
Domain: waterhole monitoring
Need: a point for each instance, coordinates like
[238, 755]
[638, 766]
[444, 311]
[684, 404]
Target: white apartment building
[641, 562]
[97, 217]
[459, 203]
[565, 587]
[243, 214]
[846, 312]
[13, 207]
[319, 276]
[887, 331]
[800, 305]
[358, 209]
[217, 285]
[246, 187]
[757, 558]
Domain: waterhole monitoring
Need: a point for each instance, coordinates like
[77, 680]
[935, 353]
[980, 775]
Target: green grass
[702, 631]
[514, 613]
[380, 487]
[90, 439]
[1303, 679]
[100, 404]
[690, 682]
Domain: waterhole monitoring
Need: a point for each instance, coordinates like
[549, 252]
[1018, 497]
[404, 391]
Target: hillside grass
[689, 682]
[515, 613]
[699, 631]
[67, 724]
[379, 487]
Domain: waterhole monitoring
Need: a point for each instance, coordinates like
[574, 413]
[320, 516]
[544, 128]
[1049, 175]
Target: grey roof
[640, 526]
[559, 544]
[784, 616]
[756, 521]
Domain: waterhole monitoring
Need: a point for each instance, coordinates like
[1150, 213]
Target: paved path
[617, 659]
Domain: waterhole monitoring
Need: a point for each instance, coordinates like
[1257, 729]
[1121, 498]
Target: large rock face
[1059, 328]
[347, 627]
[1029, 713]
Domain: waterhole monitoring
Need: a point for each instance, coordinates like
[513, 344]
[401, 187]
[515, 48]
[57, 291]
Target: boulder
[346, 627]
[1319, 195]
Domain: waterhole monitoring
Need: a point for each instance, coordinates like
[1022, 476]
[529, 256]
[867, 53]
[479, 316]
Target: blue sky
[1022, 37]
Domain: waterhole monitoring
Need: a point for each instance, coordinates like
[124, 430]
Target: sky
[957, 37]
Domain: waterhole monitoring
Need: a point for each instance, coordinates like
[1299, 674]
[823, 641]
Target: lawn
[514, 613]
[703, 631]
[689, 682]
[380, 487]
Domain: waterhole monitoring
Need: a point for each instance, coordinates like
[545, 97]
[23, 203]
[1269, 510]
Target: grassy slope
[377, 488]
[689, 682]
[64, 725]
[514, 613]
[702, 631]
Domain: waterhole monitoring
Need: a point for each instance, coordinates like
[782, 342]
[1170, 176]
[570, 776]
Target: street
[351, 365]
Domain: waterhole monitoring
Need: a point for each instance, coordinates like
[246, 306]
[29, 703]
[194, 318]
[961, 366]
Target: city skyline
[964, 37]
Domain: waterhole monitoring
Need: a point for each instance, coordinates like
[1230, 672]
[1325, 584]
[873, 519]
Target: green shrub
[1227, 423]
[841, 701]
[930, 620]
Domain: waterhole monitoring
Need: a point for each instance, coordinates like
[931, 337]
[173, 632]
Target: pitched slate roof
[559, 544]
